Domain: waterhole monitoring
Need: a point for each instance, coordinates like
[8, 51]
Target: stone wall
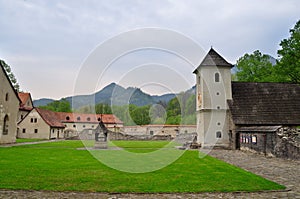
[90, 135]
[288, 143]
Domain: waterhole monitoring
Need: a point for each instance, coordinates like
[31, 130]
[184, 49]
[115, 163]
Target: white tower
[213, 77]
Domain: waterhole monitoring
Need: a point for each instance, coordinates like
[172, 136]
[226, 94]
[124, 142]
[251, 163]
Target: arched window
[5, 125]
[67, 118]
[218, 134]
[217, 77]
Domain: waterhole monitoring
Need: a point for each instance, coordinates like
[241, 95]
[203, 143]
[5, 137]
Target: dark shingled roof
[214, 59]
[265, 103]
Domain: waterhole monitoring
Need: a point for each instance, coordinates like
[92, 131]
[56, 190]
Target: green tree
[174, 111]
[255, 67]
[10, 75]
[140, 115]
[288, 66]
[58, 106]
[103, 109]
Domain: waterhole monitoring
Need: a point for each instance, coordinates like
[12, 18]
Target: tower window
[217, 77]
[218, 134]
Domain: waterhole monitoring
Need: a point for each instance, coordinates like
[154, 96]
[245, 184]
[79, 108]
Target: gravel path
[282, 171]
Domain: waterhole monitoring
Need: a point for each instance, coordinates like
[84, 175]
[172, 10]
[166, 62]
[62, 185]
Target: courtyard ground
[282, 171]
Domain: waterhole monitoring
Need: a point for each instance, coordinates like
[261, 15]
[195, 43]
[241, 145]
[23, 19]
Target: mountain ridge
[113, 94]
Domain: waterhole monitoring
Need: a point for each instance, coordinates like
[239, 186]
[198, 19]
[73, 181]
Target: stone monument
[101, 136]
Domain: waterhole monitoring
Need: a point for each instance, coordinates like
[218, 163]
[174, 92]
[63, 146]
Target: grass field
[22, 140]
[59, 166]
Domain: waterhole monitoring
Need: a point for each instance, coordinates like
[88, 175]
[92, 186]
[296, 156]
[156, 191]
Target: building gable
[213, 59]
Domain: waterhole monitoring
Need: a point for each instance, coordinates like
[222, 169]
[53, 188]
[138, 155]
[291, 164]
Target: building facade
[245, 115]
[9, 105]
[213, 89]
[45, 124]
[26, 105]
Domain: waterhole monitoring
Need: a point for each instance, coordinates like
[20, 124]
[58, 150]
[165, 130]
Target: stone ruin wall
[288, 143]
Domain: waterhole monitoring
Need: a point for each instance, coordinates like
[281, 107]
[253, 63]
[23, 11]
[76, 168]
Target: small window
[217, 77]
[218, 107]
[35, 120]
[23, 130]
[67, 118]
[83, 126]
[217, 93]
[35, 130]
[99, 119]
[22, 116]
[6, 97]
[78, 118]
[74, 126]
[92, 126]
[254, 139]
[31, 120]
[151, 132]
[88, 119]
[52, 130]
[218, 134]
[219, 123]
[5, 125]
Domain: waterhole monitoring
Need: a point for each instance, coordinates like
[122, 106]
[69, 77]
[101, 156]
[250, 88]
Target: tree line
[179, 110]
[257, 67]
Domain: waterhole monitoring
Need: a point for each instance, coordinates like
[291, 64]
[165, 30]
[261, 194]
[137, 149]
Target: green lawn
[59, 166]
[21, 140]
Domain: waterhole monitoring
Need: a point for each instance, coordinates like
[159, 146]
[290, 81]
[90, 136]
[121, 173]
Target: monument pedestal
[100, 145]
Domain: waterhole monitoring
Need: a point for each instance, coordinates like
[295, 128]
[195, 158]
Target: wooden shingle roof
[265, 103]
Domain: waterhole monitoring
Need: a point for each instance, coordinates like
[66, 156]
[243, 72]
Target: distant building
[45, 124]
[243, 115]
[41, 124]
[26, 105]
[9, 106]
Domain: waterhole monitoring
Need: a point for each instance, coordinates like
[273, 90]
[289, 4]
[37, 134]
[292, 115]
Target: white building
[9, 106]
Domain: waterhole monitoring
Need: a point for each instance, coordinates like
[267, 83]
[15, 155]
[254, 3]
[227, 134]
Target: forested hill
[114, 94]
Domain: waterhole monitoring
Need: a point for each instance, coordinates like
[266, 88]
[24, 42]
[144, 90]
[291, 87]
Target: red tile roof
[88, 118]
[50, 117]
[56, 119]
[24, 97]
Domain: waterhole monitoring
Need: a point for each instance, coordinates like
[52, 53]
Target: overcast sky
[47, 42]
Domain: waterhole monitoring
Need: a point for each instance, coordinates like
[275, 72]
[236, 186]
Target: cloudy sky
[47, 43]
